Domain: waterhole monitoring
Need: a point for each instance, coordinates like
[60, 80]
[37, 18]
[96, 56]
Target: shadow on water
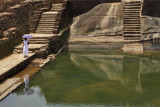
[93, 78]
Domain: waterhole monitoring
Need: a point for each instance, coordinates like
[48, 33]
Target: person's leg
[27, 52]
[24, 52]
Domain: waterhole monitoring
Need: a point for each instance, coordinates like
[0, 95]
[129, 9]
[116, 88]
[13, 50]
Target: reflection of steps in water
[135, 48]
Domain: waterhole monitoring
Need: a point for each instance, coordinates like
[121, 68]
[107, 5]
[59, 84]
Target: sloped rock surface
[102, 21]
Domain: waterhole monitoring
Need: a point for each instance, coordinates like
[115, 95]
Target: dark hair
[25, 39]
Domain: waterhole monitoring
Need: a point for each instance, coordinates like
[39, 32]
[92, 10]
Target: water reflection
[126, 69]
[94, 79]
[27, 90]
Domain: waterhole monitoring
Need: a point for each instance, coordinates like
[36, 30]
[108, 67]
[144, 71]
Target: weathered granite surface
[100, 23]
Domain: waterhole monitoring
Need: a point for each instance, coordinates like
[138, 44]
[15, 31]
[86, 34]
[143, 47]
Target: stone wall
[5, 4]
[19, 16]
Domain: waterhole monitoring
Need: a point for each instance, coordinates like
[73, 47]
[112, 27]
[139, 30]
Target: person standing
[25, 47]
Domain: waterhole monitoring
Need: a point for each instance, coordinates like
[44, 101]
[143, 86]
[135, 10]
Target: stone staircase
[37, 14]
[49, 22]
[132, 20]
[46, 31]
[40, 42]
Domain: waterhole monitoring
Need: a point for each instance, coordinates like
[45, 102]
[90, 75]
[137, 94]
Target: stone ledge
[13, 64]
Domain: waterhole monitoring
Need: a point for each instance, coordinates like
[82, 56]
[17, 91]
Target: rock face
[151, 19]
[101, 22]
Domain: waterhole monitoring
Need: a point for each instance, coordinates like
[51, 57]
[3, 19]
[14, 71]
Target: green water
[93, 79]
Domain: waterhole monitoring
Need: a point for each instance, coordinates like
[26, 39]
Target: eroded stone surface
[8, 83]
[135, 48]
[9, 90]
[102, 21]
[9, 63]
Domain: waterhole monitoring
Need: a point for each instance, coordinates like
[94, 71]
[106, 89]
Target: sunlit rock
[102, 21]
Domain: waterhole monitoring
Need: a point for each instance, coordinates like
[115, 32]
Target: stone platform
[12, 64]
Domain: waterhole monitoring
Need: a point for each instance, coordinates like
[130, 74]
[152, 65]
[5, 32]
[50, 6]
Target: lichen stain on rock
[105, 18]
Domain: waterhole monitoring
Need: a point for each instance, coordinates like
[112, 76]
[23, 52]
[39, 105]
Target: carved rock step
[132, 38]
[137, 17]
[131, 13]
[57, 7]
[131, 19]
[128, 13]
[128, 35]
[40, 27]
[138, 10]
[54, 22]
[33, 39]
[133, 1]
[48, 18]
[58, 4]
[45, 32]
[53, 28]
[132, 32]
[39, 42]
[47, 27]
[132, 24]
[128, 30]
[129, 22]
[50, 14]
[132, 7]
[131, 4]
[131, 27]
[61, 9]
[48, 23]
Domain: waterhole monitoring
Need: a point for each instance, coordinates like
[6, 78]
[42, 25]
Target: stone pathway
[13, 63]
